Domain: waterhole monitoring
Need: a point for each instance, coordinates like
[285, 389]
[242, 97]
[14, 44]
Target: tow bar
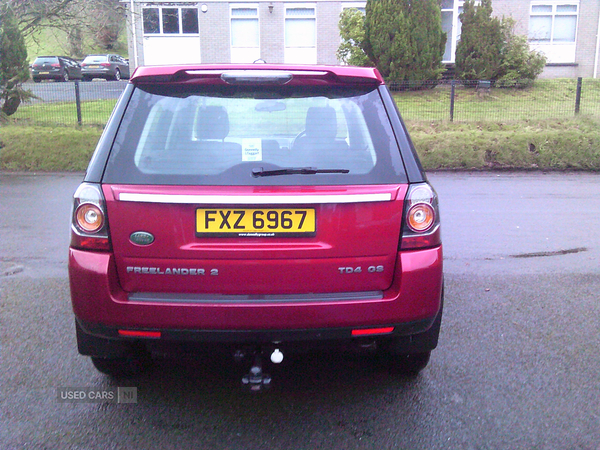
[256, 380]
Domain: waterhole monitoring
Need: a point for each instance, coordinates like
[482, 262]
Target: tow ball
[256, 380]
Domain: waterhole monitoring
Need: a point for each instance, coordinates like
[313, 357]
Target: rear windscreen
[95, 59]
[236, 135]
[46, 60]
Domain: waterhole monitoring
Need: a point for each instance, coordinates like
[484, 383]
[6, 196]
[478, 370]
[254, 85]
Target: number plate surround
[256, 222]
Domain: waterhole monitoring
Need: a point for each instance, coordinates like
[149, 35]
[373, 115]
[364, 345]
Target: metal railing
[69, 103]
[90, 103]
[489, 102]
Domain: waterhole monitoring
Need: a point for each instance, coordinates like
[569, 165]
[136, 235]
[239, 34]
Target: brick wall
[586, 37]
[271, 32]
[214, 33]
[328, 34]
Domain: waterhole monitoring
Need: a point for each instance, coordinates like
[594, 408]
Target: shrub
[490, 50]
[352, 34]
[404, 39]
[520, 65]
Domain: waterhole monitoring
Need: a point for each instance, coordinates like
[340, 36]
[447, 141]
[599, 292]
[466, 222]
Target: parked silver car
[109, 67]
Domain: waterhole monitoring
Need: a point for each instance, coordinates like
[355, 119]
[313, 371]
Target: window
[451, 25]
[170, 20]
[189, 21]
[209, 135]
[553, 29]
[361, 6]
[244, 27]
[163, 20]
[554, 23]
[300, 27]
[300, 34]
[245, 36]
[151, 21]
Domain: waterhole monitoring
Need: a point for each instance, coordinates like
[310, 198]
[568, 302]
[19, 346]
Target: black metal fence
[70, 103]
[79, 103]
[485, 101]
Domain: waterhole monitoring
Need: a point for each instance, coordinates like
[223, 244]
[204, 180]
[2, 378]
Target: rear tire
[122, 367]
[65, 76]
[117, 76]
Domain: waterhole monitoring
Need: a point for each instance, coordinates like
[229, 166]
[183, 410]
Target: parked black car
[109, 67]
[59, 68]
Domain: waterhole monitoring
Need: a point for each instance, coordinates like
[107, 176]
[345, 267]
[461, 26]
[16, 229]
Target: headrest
[321, 121]
[213, 123]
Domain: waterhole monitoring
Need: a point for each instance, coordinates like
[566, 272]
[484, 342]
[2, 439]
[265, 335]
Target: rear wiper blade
[260, 172]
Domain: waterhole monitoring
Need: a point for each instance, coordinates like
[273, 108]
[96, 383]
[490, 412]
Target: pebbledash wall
[222, 31]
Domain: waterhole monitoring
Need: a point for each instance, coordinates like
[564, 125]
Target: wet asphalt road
[518, 366]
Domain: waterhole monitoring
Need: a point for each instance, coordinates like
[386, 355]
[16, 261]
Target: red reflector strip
[138, 333]
[368, 331]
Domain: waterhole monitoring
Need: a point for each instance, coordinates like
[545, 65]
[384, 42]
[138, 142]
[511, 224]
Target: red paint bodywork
[411, 280]
[348, 236]
[98, 298]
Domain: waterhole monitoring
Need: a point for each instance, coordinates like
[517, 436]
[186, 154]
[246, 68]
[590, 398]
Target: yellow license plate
[260, 222]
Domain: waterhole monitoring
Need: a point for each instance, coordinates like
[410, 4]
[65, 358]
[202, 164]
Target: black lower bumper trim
[254, 336]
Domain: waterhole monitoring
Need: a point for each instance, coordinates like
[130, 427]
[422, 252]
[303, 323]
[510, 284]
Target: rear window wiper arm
[260, 172]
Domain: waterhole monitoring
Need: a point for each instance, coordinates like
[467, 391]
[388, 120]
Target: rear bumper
[47, 76]
[102, 308]
[97, 73]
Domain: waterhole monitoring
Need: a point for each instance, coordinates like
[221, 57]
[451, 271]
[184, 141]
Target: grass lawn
[547, 99]
[54, 114]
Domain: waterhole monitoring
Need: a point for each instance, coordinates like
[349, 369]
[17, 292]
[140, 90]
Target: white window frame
[243, 54]
[454, 35]
[557, 51]
[179, 18]
[302, 54]
[554, 14]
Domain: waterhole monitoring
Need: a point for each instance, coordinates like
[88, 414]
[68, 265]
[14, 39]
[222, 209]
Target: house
[221, 31]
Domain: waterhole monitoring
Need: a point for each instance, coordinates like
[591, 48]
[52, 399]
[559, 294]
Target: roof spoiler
[274, 75]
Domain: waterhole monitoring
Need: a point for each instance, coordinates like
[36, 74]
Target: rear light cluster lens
[422, 219]
[89, 218]
[89, 230]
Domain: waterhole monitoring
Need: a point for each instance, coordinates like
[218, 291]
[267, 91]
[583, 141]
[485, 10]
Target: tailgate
[255, 240]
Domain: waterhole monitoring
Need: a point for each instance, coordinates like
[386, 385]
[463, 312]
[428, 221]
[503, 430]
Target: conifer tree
[480, 46]
[404, 39]
[14, 69]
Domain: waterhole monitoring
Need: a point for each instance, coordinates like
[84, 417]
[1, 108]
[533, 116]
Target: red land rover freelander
[255, 206]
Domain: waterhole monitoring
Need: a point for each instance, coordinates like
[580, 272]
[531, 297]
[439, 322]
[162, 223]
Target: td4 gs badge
[370, 269]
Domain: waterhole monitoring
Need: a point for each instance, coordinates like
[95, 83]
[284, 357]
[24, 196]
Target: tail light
[105, 64]
[89, 229]
[421, 225]
[55, 65]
